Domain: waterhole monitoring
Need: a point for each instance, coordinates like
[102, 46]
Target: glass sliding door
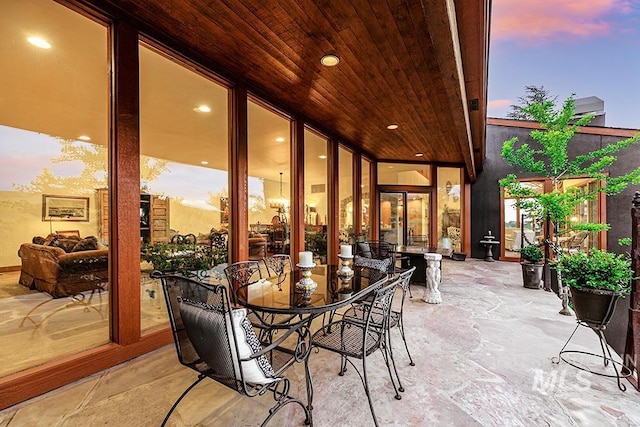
[418, 214]
[392, 217]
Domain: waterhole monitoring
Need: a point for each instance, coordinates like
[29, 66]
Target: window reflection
[269, 182]
[315, 195]
[54, 285]
[184, 191]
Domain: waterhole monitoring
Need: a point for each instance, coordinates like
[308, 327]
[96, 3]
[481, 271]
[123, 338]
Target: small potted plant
[596, 280]
[530, 256]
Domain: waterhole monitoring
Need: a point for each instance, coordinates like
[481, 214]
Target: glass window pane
[315, 195]
[366, 197]
[54, 137]
[183, 175]
[269, 181]
[449, 222]
[345, 195]
[392, 217]
[404, 174]
[418, 224]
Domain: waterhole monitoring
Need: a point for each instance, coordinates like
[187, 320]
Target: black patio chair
[219, 343]
[359, 311]
[359, 338]
[277, 265]
[242, 273]
[376, 250]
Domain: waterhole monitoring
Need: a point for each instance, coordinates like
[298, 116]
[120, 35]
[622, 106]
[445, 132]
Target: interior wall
[21, 220]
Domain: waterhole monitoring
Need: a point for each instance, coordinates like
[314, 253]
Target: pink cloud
[499, 103]
[539, 21]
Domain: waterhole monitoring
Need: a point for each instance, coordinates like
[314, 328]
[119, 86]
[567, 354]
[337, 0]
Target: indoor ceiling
[416, 63]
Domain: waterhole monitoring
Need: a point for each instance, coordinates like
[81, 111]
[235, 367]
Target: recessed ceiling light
[419, 154]
[330, 60]
[204, 162]
[84, 138]
[39, 42]
[280, 139]
[390, 167]
[322, 156]
[392, 126]
[202, 109]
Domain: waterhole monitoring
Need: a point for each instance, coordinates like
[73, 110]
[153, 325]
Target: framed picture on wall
[65, 208]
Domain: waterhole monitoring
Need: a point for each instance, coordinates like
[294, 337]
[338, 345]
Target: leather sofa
[50, 269]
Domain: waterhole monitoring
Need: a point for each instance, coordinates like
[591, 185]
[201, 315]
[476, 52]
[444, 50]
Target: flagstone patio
[483, 357]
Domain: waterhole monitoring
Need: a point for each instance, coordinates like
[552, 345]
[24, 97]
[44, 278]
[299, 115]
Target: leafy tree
[93, 175]
[533, 95]
[549, 158]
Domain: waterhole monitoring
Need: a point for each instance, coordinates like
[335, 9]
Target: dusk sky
[584, 47]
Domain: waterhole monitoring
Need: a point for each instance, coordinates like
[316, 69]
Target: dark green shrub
[597, 270]
[532, 253]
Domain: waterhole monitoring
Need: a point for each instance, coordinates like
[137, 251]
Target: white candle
[306, 258]
[345, 250]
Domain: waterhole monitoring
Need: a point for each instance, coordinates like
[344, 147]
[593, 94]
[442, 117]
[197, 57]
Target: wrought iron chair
[277, 265]
[378, 250]
[242, 273]
[219, 343]
[361, 310]
[359, 338]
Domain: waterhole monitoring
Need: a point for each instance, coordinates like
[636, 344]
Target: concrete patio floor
[483, 358]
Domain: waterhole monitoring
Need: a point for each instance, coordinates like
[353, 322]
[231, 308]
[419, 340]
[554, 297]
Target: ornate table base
[434, 274]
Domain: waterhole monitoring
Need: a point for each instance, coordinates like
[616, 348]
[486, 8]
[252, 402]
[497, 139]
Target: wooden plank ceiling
[416, 63]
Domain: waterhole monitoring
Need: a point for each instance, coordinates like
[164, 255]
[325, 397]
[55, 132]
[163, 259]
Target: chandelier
[279, 203]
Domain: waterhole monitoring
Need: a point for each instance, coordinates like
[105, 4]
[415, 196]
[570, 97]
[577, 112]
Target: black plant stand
[598, 327]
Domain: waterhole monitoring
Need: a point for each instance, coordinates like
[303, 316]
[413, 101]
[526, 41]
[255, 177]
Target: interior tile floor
[483, 358]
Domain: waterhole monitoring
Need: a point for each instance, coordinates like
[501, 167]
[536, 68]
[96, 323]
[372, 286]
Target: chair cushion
[364, 250]
[203, 324]
[374, 264]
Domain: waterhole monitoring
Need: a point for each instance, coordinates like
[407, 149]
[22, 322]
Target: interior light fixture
[322, 156]
[84, 138]
[279, 203]
[204, 162]
[392, 126]
[419, 154]
[280, 139]
[202, 109]
[39, 42]
[330, 60]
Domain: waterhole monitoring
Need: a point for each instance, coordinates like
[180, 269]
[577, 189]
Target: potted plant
[596, 281]
[531, 255]
[550, 156]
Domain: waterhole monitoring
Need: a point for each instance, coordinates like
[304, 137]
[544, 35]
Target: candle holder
[306, 283]
[345, 273]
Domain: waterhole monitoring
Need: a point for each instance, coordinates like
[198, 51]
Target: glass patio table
[276, 305]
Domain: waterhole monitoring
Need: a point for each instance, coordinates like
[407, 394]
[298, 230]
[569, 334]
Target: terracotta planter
[593, 306]
[532, 275]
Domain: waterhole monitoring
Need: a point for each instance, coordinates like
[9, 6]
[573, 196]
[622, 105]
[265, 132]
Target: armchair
[219, 343]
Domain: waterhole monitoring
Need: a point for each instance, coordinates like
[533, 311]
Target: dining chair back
[219, 343]
[375, 250]
[358, 338]
[242, 273]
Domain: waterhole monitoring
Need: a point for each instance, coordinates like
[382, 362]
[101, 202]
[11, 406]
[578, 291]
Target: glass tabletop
[280, 295]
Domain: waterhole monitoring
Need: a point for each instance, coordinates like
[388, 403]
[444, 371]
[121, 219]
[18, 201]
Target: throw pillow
[372, 263]
[204, 325]
[89, 243]
[364, 250]
[65, 244]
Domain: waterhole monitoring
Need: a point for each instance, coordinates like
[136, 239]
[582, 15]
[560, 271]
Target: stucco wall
[485, 202]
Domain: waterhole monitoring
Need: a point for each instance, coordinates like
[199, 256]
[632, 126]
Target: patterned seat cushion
[372, 263]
